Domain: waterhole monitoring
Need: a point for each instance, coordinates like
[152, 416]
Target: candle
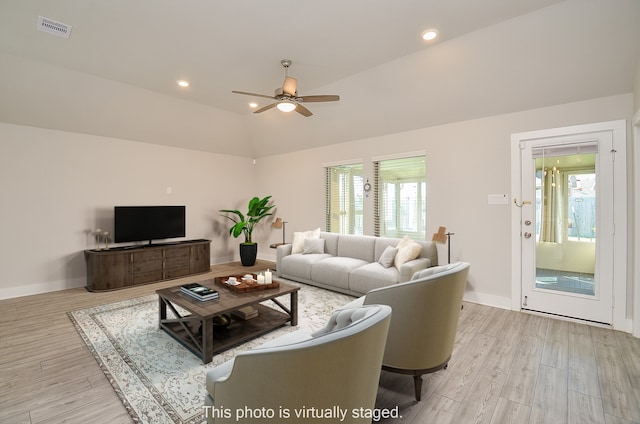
[267, 277]
[260, 279]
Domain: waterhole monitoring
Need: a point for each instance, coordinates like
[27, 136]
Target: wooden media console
[121, 267]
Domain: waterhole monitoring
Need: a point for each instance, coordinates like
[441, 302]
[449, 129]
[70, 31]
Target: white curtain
[552, 205]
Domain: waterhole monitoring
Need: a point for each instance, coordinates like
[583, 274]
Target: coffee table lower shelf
[188, 330]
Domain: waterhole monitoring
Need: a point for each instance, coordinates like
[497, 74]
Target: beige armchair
[424, 322]
[336, 368]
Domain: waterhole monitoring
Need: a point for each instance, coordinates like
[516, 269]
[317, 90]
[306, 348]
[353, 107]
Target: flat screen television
[147, 223]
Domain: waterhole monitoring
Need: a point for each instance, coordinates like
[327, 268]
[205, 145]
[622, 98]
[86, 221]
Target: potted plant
[244, 224]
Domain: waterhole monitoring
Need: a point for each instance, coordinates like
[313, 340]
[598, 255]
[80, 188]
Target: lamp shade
[277, 223]
[289, 86]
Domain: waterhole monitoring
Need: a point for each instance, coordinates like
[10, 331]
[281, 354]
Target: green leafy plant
[244, 224]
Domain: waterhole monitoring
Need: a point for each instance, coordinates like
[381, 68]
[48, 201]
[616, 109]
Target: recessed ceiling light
[254, 105]
[430, 34]
[183, 83]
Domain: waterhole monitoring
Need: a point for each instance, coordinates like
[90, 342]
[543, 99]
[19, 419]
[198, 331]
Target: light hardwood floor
[507, 367]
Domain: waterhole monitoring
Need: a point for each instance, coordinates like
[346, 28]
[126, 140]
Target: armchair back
[338, 367]
[425, 317]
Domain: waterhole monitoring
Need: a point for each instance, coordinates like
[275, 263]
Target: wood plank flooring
[507, 367]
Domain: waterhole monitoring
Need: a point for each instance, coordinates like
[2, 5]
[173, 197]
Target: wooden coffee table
[195, 329]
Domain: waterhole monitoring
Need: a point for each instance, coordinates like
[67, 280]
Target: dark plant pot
[248, 253]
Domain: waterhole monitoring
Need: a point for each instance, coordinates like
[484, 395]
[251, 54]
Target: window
[344, 199]
[581, 221]
[566, 198]
[400, 197]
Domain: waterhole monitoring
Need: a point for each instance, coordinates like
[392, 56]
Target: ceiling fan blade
[290, 86]
[303, 110]
[254, 94]
[320, 98]
[267, 107]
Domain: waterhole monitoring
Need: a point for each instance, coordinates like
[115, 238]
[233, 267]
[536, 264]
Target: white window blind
[344, 201]
[565, 149]
[400, 197]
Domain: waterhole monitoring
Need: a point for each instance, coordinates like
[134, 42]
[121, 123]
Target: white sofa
[351, 264]
[337, 366]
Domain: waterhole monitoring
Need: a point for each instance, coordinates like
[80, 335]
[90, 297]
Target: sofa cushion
[334, 271]
[372, 276]
[381, 245]
[330, 243]
[358, 247]
[299, 265]
[407, 250]
[313, 246]
[387, 257]
[297, 246]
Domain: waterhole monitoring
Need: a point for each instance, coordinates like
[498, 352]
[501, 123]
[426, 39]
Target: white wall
[466, 161]
[56, 187]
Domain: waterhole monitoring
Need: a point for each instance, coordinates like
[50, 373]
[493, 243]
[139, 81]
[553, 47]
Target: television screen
[142, 223]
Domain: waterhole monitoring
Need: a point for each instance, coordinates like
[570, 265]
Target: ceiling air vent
[54, 27]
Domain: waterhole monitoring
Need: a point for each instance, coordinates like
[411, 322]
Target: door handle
[524, 202]
[527, 235]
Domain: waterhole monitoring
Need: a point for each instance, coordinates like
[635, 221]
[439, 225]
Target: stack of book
[198, 291]
[245, 313]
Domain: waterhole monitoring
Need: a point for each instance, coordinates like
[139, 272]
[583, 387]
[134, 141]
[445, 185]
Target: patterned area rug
[157, 379]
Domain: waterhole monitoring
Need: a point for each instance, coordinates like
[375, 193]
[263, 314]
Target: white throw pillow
[407, 250]
[387, 257]
[313, 246]
[299, 237]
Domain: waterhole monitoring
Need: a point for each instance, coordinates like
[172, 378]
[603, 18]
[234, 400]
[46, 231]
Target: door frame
[636, 280]
[620, 270]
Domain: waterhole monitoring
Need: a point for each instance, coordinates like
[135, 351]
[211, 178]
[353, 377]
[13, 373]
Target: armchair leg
[417, 383]
[417, 375]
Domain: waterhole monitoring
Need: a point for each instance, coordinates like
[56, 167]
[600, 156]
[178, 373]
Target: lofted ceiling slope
[116, 74]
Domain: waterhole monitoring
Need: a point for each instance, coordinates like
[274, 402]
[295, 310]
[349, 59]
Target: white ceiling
[116, 74]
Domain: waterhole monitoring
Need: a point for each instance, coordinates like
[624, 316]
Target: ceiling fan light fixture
[287, 99]
[286, 106]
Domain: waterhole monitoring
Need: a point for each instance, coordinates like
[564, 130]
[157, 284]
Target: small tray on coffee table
[245, 285]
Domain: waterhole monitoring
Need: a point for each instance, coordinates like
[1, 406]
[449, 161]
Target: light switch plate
[498, 199]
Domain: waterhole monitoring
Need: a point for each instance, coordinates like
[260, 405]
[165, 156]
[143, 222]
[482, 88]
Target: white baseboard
[38, 288]
[488, 299]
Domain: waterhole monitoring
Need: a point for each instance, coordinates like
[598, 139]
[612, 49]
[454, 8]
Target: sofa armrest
[282, 251]
[411, 267]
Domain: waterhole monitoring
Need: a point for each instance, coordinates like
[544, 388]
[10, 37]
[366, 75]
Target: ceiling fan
[287, 99]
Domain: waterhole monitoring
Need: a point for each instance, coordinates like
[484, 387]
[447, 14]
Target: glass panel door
[566, 223]
[567, 226]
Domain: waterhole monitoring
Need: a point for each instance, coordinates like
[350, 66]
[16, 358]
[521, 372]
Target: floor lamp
[279, 223]
[443, 237]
